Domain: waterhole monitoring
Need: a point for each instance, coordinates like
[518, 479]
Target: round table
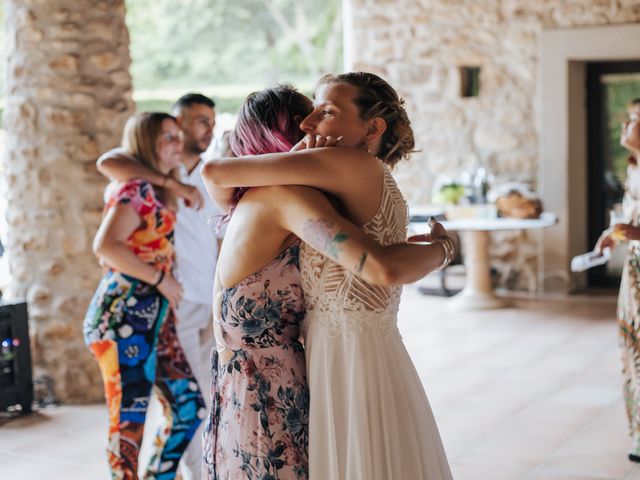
[478, 293]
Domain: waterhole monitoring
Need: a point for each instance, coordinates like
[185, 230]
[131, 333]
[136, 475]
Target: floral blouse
[152, 241]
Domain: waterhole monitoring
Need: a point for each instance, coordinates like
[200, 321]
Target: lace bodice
[338, 300]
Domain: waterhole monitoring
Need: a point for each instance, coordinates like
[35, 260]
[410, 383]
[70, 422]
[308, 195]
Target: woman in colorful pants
[130, 324]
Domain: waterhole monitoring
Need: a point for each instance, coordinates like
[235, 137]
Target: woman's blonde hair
[632, 105]
[376, 98]
[139, 138]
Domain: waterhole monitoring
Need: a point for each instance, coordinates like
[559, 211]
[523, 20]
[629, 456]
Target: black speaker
[16, 385]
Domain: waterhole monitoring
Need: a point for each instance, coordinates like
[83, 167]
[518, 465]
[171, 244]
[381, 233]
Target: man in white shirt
[196, 245]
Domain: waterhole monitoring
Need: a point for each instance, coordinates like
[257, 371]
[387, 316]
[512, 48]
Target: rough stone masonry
[419, 45]
[68, 94]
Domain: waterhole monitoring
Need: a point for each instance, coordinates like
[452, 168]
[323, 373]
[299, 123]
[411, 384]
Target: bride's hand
[316, 141]
[436, 231]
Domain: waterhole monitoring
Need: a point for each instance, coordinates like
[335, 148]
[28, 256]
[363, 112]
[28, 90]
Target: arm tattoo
[318, 233]
[363, 259]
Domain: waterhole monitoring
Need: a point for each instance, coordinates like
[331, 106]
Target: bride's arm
[329, 169]
[307, 213]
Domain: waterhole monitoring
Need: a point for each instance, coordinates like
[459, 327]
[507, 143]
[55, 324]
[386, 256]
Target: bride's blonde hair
[376, 98]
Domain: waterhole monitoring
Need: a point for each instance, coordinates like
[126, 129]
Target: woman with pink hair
[258, 426]
[370, 418]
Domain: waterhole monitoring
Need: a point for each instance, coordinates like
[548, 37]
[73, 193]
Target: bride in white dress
[369, 418]
[369, 415]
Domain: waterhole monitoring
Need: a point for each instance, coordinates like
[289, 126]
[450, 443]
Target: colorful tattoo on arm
[363, 259]
[320, 235]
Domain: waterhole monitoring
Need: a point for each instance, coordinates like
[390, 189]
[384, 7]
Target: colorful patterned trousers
[131, 331]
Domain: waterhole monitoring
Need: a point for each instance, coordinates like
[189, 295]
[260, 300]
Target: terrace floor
[531, 393]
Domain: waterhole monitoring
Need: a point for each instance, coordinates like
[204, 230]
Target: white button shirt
[196, 243]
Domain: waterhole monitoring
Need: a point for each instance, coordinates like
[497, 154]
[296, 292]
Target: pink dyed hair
[268, 122]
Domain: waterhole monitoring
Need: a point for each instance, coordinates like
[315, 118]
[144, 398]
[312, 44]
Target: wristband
[160, 278]
[449, 251]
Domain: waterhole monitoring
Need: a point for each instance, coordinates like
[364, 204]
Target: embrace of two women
[316, 249]
[310, 377]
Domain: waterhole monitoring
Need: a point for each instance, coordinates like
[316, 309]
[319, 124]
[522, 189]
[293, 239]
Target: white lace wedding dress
[370, 418]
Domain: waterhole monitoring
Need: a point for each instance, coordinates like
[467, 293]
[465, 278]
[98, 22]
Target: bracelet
[449, 251]
[156, 274]
[160, 278]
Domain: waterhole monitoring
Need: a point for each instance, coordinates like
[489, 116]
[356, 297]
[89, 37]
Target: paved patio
[532, 393]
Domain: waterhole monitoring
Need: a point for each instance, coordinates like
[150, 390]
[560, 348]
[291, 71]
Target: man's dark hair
[189, 99]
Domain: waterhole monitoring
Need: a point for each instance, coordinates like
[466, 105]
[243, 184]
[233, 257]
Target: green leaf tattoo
[340, 237]
[319, 234]
[363, 259]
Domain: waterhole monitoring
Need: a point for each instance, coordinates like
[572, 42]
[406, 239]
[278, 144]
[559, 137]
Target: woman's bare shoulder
[276, 192]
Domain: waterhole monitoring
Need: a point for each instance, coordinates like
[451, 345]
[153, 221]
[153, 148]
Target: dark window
[610, 85]
[469, 81]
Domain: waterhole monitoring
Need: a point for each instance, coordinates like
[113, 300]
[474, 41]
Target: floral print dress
[258, 424]
[628, 311]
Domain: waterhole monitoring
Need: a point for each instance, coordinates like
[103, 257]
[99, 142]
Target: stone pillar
[68, 94]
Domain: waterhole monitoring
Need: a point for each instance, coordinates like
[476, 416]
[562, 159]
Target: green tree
[620, 90]
[196, 43]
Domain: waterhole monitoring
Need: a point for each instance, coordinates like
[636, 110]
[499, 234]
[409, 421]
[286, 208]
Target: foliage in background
[204, 45]
[620, 89]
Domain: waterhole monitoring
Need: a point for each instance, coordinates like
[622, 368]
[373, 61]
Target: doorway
[610, 85]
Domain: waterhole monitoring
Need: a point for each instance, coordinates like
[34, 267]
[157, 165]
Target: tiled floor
[531, 393]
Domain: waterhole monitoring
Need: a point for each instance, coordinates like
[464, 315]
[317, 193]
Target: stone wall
[419, 45]
[68, 94]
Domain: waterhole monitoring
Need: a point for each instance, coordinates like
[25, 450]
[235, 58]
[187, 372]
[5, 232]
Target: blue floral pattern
[130, 329]
[258, 424]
